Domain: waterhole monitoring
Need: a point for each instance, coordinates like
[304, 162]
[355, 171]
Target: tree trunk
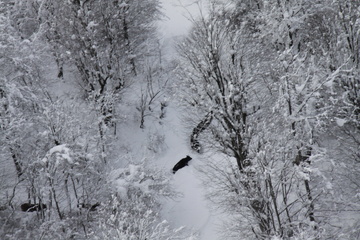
[17, 163]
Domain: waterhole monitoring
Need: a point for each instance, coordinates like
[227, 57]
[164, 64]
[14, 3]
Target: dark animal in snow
[30, 207]
[182, 163]
[90, 207]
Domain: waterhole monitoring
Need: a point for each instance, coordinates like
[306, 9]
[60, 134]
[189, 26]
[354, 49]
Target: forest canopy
[269, 97]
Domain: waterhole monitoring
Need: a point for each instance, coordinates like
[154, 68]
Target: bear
[182, 163]
[90, 207]
[29, 207]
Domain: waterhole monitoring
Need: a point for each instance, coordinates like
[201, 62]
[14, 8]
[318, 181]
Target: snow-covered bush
[66, 180]
[156, 142]
[132, 211]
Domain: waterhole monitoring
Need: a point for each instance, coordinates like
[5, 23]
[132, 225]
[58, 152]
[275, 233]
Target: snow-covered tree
[22, 98]
[132, 211]
[217, 72]
[265, 71]
[103, 40]
[106, 42]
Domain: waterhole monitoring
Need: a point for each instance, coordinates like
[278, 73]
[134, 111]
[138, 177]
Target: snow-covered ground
[190, 210]
[163, 142]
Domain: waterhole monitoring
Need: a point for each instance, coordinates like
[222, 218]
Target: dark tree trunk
[194, 142]
[17, 163]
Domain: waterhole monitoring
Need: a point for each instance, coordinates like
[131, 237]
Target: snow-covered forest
[97, 107]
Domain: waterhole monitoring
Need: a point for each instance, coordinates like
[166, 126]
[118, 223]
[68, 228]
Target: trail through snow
[191, 210]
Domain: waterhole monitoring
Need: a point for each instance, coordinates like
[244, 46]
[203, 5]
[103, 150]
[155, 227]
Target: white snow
[62, 152]
[191, 210]
[59, 148]
[340, 122]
